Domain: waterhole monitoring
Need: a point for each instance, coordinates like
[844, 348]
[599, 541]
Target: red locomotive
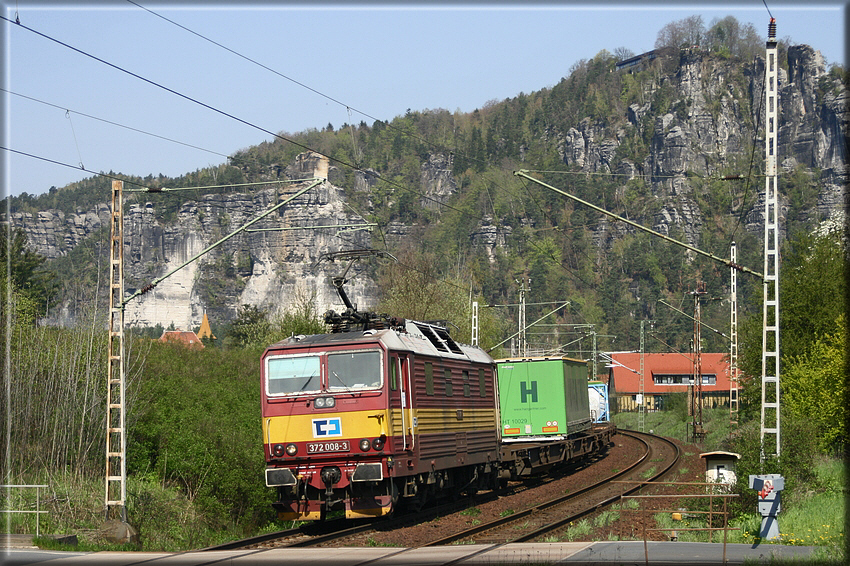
[392, 413]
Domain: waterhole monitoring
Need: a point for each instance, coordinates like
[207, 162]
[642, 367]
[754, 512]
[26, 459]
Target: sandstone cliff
[714, 107]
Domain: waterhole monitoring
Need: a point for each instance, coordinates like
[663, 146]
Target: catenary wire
[254, 125]
[348, 107]
[78, 168]
[231, 116]
[114, 123]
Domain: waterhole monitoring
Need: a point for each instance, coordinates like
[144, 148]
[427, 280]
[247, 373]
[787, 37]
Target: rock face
[713, 106]
[703, 133]
[273, 264]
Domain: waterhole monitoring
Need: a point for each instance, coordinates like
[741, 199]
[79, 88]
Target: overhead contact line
[114, 123]
[524, 174]
[226, 114]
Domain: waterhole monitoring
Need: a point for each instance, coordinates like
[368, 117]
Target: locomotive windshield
[288, 375]
[354, 370]
[293, 375]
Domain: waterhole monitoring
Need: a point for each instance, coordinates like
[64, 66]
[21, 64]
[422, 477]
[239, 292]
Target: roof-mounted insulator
[771, 30]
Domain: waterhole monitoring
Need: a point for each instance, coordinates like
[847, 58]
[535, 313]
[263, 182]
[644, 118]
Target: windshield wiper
[306, 383]
[344, 384]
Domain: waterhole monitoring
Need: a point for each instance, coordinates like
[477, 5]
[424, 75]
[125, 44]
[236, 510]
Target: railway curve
[630, 454]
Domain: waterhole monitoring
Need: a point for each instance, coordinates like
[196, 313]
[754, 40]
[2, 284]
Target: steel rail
[242, 543]
[340, 530]
[610, 501]
[522, 514]
[336, 525]
[563, 499]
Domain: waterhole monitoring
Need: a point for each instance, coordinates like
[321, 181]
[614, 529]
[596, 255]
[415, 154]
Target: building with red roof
[185, 337]
[665, 374]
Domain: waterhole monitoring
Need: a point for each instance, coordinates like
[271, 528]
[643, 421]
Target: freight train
[386, 413]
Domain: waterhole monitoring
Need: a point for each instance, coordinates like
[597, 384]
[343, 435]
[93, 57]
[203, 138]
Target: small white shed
[720, 467]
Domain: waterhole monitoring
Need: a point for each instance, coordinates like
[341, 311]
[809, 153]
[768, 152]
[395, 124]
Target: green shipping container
[542, 397]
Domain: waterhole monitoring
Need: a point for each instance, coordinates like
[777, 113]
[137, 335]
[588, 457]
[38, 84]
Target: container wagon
[545, 415]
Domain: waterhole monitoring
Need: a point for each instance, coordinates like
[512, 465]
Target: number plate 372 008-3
[335, 446]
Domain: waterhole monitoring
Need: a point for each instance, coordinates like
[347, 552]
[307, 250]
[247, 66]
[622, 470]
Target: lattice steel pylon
[733, 333]
[474, 340]
[697, 361]
[641, 386]
[523, 342]
[116, 438]
[770, 421]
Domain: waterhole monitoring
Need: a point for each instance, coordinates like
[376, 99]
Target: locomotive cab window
[354, 370]
[292, 375]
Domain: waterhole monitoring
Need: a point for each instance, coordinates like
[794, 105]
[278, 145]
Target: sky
[131, 92]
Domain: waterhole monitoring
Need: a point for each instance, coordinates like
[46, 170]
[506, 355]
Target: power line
[113, 123]
[191, 99]
[267, 131]
[77, 167]
[348, 107]
[227, 114]
[629, 175]
[158, 85]
[249, 59]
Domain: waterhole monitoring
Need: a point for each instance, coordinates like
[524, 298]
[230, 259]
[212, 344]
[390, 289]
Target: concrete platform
[25, 541]
[16, 541]
[585, 553]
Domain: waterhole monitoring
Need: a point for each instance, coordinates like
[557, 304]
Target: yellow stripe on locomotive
[355, 425]
[325, 427]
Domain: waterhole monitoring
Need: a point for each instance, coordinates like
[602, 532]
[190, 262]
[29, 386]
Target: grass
[648, 473]
[166, 519]
[664, 423]
[814, 519]
[629, 504]
[606, 518]
[471, 512]
[810, 517]
[576, 530]
[372, 542]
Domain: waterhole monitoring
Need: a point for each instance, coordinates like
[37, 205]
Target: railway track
[542, 519]
[315, 534]
[523, 526]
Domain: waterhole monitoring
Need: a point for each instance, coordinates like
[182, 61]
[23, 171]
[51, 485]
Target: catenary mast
[770, 437]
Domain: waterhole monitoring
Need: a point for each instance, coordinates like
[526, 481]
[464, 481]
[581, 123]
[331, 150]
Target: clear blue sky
[379, 59]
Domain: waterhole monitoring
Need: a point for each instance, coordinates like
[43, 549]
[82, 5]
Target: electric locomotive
[378, 414]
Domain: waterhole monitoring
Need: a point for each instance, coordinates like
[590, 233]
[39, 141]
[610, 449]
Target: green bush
[198, 427]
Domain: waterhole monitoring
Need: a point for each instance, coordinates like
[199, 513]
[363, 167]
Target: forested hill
[672, 139]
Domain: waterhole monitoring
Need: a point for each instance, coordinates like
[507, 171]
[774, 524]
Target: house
[720, 468]
[185, 337]
[638, 61]
[664, 375]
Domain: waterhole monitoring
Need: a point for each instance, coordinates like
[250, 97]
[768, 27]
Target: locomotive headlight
[330, 402]
[291, 449]
[364, 445]
[378, 443]
[277, 450]
[319, 403]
